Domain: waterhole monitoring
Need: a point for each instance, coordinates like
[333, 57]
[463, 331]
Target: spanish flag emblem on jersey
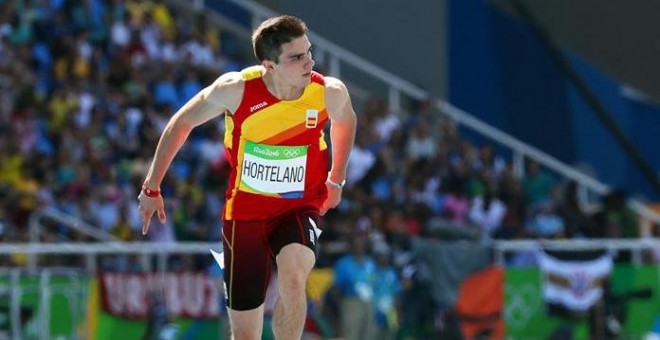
[312, 119]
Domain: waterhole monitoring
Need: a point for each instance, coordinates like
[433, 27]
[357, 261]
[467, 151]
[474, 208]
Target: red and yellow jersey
[276, 149]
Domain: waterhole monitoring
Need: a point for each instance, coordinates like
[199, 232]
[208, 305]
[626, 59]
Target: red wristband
[150, 192]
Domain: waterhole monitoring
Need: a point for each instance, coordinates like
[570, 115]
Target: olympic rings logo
[522, 304]
[291, 153]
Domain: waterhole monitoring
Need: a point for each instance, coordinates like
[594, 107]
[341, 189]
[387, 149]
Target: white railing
[36, 226]
[522, 150]
[398, 86]
[104, 248]
[93, 250]
[636, 246]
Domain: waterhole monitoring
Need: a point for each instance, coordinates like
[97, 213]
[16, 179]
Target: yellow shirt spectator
[61, 107]
[163, 17]
[10, 169]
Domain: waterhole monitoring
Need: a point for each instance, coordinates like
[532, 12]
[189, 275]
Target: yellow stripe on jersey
[229, 207]
[251, 190]
[229, 131]
[282, 116]
[251, 72]
[322, 144]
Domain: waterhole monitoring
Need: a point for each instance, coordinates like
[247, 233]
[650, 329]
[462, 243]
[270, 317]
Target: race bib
[274, 170]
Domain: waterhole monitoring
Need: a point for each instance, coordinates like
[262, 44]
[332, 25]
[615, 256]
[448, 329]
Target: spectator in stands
[124, 229]
[488, 161]
[361, 159]
[423, 184]
[456, 206]
[121, 31]
[421, 144]
[576, 222]
[106, 208]
[615, 219]
[545, 222]
[159, 322]
[537, 184]
[354, 288]
[386, 292]
[417, 308]
[384, 121]
[510, 190]
[423, 113]
[487, 211]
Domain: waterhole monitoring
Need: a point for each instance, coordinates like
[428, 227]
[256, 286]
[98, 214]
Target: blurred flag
[463, 276]
[480, 304]
[574, 280]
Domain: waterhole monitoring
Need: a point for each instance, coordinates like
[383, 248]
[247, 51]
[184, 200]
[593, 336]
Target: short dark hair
[267, 39]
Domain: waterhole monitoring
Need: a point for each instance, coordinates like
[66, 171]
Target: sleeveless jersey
[276, 149]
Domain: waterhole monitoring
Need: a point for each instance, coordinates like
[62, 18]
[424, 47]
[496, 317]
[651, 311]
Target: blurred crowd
[87, 86]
